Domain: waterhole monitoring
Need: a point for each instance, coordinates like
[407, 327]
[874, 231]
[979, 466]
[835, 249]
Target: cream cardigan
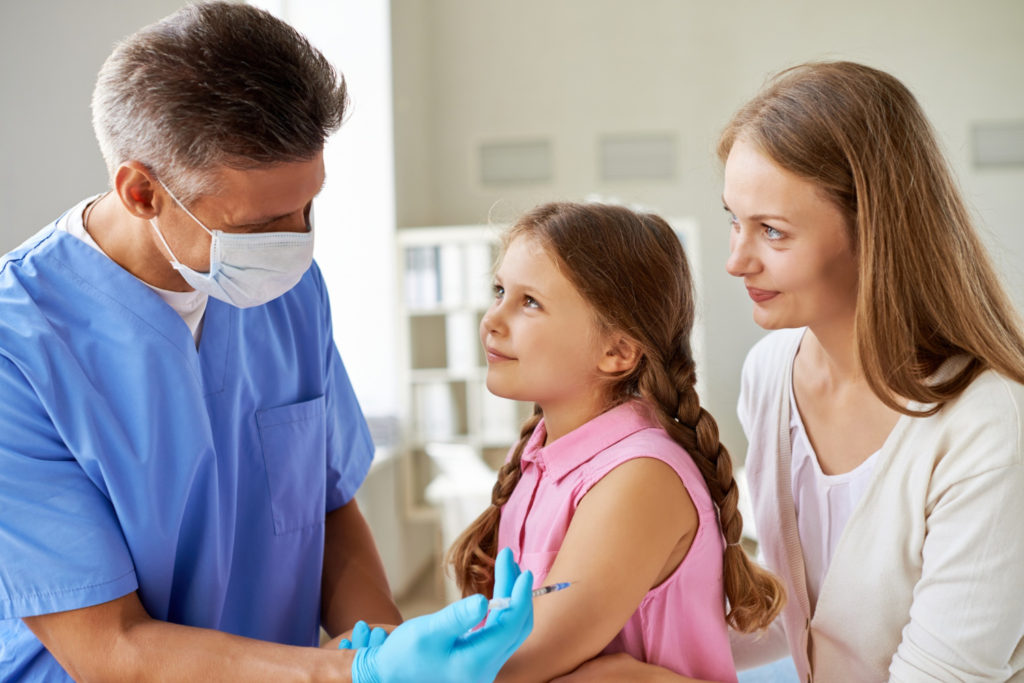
[927, 581]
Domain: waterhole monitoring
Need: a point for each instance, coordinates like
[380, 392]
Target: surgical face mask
[247, 269]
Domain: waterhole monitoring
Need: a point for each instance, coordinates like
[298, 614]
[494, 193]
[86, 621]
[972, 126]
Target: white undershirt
[823, 502]
[189, 305]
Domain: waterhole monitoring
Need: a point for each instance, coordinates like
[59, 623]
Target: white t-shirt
[823, 502]
[189, 305]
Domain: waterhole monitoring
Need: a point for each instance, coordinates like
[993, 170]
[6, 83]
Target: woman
[884, 415]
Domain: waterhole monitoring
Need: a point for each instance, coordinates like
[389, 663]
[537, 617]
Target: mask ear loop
[214, 243]
[185, 209]
[175, 262]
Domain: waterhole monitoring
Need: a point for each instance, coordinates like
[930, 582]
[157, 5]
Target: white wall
[50, 52]
[468, 71]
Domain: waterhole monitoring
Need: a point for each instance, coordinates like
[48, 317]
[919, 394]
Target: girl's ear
[620, 356]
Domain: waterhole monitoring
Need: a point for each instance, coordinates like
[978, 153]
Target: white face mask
[247, 269]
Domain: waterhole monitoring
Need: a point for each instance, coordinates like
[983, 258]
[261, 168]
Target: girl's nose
[492, 322]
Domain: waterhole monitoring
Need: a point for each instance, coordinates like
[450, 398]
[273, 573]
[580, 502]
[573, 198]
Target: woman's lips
[494, 356]
[760, 295]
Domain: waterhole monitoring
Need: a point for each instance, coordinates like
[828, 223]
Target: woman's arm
[967, 617]
[623, 534]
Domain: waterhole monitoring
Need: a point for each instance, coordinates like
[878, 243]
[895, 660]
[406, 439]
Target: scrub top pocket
[294, 443]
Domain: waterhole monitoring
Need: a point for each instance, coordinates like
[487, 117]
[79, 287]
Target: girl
[618, 483]
[884, 422]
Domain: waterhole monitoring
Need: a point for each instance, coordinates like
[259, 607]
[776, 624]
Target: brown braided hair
[632, 271]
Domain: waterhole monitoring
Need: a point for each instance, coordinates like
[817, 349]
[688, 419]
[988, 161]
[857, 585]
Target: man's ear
[620, 356]
[135, 186]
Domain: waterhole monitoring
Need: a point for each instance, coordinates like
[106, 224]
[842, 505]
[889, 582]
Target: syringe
[503, 603]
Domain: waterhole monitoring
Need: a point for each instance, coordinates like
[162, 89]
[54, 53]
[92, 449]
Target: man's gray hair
[214, 84]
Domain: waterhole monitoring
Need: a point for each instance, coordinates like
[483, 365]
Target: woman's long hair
[632, 271]
[927, 290]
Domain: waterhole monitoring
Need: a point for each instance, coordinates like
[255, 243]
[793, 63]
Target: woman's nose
[741, 254]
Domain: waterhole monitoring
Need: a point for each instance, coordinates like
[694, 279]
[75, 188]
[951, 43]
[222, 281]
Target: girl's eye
[499, 291]
[530, 302]
[771, 233]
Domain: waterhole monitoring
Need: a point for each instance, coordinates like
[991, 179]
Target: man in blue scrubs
[179, 441]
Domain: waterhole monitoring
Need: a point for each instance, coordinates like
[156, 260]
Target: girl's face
[542, 340]
[789, 243]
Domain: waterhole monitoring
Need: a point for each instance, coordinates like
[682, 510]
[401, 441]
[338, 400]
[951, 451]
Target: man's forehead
[264, 193]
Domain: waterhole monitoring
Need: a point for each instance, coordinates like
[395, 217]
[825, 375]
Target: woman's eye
[498, 290]
[733, 221]
[771, 233]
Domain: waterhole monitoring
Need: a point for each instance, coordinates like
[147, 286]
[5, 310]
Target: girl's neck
[560, 419]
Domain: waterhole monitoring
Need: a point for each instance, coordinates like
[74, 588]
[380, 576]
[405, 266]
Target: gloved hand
[441, 647]
[506, 572]
[362, 636]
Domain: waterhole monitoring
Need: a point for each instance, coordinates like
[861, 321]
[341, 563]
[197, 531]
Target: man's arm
[354, 585]
[119, 641]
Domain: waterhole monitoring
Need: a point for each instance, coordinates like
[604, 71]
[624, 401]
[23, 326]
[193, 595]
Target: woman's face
[789, 243]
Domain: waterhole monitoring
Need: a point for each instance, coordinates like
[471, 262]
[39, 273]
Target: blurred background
[467, 112]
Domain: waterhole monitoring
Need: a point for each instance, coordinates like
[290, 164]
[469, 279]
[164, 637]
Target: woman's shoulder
[984, 420]
[990, 398]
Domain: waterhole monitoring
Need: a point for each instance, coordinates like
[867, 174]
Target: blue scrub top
[130, 460]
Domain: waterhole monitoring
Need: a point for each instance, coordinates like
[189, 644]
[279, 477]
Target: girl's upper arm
[618, 542]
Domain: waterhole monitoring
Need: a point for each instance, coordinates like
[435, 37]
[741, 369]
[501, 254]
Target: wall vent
[998, 144]
[641, 156]
[503, 163]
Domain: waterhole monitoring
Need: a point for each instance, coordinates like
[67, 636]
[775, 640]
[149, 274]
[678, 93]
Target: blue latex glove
[440, 646]
[362, 636]
[506, 572]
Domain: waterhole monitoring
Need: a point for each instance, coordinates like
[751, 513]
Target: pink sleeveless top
[680, 624]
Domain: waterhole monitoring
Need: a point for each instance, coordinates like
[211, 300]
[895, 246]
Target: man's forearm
[118, 641]
[354, 583]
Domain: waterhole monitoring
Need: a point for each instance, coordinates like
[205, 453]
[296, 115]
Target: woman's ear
[620, 356]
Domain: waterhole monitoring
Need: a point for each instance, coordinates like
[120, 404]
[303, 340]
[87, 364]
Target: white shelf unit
[444, 290]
